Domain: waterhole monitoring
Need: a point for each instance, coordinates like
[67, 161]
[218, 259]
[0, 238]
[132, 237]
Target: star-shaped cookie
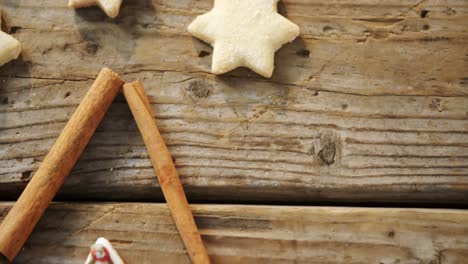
[244, 33]
[10, 48]
[110, 7]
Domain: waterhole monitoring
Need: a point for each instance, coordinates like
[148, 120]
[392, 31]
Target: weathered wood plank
[370, 104]
[145, 233]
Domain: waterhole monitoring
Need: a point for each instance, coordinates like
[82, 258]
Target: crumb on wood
[449, 11]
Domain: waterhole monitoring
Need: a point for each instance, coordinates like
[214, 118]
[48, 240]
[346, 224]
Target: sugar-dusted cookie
[110, 7]
[10, 48]
[244, 33]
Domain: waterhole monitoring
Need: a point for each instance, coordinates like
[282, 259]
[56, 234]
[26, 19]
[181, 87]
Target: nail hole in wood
[326, 28]
[25, 175]
[424, 13]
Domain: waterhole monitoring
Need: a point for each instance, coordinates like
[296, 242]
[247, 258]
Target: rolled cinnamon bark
[166, 172]
[49, 177]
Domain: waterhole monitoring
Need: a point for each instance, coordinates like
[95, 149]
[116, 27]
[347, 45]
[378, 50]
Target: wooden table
[369, 106]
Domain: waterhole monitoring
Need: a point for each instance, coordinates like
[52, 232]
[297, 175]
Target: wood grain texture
[145, 233]
[368, 104]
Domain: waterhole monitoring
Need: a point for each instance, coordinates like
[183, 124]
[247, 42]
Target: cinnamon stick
[22, 218]
[166, 172]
